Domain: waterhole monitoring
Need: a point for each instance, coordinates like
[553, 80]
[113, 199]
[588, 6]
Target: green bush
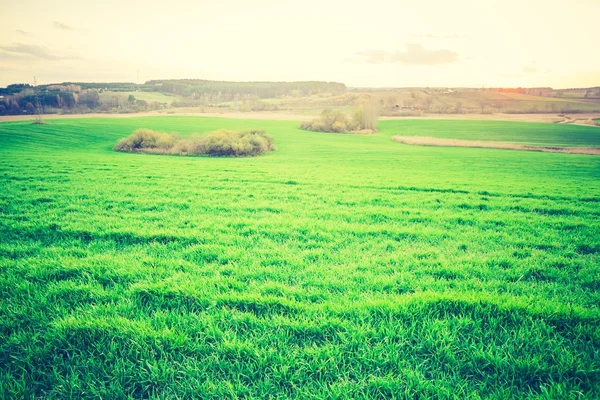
[218, 144]
[145, 139]
[236, 143]
[363, 120]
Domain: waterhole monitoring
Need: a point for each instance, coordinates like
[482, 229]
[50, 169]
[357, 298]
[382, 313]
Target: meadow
[337, 266]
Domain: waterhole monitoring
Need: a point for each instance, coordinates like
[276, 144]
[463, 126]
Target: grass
[338, 266]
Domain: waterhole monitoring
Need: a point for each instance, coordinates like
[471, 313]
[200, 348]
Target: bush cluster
[363, 120]
[219, 143]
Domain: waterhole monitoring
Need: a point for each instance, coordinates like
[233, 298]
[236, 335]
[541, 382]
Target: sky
[375, 43]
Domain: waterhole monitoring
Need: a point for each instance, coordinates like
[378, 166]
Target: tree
[458, 107]
[131, 99]
[15, 109]
[141, 105]
[428, 102]
[392, 101]
[29, 108]
[366, 116]
[482, 105]
[89, 98]
[2, 109]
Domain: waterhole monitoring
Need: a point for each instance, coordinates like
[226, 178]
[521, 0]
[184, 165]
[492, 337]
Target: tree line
[81, 97]
[68, 98]
[199, 87]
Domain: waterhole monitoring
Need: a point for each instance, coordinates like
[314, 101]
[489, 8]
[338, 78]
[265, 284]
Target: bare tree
[458, 107]
[367, 116]
[428, 102]
[392, 101]
[483, 105]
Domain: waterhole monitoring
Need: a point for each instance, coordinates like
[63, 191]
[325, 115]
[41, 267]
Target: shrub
[364, 119]
[143, 139]
[338, 126]
[232, 143]
[218, 143]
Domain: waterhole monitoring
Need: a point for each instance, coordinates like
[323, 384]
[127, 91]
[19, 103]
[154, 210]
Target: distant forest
[197, 87]
[82, 97]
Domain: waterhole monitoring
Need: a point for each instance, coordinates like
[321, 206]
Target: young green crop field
[337, 266]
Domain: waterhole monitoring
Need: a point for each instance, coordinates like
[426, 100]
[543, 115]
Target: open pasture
[337, 266]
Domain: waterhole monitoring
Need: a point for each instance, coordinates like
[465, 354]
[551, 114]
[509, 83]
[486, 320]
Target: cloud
[530, 70]
[22, 32]
[29, 51]
[415, 54]
[61, 26]
[436, 36]
[511, 75]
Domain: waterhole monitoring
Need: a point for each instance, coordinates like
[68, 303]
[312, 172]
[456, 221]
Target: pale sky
[375, 43]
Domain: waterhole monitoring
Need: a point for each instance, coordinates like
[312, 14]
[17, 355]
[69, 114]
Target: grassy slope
[338, 265]
[521, 102]
[509, 102]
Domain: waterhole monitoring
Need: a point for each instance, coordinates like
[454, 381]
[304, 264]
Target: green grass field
[338, 266]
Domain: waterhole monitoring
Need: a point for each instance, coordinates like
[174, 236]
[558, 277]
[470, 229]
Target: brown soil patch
[575, 119]
[278, 116]
[431, 141]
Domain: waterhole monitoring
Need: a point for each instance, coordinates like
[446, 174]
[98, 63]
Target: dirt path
[576, 119]
[580, 120]
[167, 113]
[431, 141]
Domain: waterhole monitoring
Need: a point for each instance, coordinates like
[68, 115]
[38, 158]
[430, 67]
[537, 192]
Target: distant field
[525, 103]
[574, 95]
[471, 102]
[338, 266]
[151, 96]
